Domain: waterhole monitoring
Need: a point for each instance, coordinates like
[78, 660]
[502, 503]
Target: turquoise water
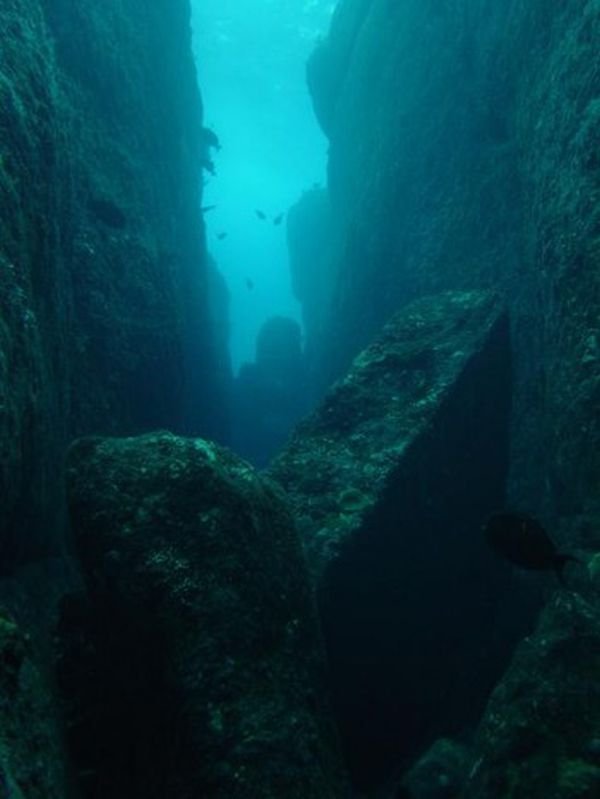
[251, 57]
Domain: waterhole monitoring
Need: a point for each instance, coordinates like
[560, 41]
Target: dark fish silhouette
[206, 208]
[260, 214]
[211, 139]
[222, 235]
[249, 284]
[523, 541]
[278, 219]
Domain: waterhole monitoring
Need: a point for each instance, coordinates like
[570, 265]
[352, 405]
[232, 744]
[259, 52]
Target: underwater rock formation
[103, 296]
[440, 773]
[32, 763]
[539, 734]
[477, 166]
[201, 627]
[308, 240]
[390, 480]
[269, 395]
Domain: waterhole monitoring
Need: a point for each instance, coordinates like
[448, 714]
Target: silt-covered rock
[540, 734]
[202, 629]
[32, 763]
[390, 480]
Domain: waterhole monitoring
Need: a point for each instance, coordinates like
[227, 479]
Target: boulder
[390, 481]
[539, 736]
[199, 628]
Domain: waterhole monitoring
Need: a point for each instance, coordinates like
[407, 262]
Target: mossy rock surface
[539, 735]
[342, 459]
[191, 556]
[390, 480]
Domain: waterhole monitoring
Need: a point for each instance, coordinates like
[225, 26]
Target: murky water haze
[251, 57]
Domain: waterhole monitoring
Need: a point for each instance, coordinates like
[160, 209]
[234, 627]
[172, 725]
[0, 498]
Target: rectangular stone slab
[342, 459]
[390, 481]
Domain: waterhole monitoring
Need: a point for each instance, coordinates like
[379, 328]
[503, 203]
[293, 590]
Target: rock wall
[103, 319]
[463, 154]
[32, 761]
[308, 229]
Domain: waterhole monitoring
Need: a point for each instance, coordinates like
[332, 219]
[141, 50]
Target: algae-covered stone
[32, 764]
[206, 644]
[344, 458]
[539, 734]
[390, 481]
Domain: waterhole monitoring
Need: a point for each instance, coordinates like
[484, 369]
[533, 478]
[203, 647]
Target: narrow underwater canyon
[174, 622]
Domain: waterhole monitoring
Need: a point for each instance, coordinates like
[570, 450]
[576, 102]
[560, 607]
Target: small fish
[222, 235]
[206, 208]
[523, 541]
[249, 284]
[278, 219]
[260, 214]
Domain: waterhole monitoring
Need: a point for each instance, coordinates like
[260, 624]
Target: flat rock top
[112, 474]
[341, 457]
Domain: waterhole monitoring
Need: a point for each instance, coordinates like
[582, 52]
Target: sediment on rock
[390, 481]
[539, 733]
[200, 626]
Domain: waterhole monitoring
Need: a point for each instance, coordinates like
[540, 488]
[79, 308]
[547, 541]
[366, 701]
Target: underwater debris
[522, 540]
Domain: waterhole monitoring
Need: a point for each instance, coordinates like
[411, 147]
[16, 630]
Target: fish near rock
[522, 540]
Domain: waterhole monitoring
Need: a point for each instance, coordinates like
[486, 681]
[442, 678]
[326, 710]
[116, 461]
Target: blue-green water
[251, 57]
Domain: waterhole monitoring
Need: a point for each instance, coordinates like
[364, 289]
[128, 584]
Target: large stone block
[201, 629]
[390, 481]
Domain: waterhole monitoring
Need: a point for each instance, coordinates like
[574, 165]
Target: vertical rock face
[308, 238]
[464, 153]
[103, 293]
[390, 480]
[539, 734]
[31, 760]
[202, 633]
[34, 287]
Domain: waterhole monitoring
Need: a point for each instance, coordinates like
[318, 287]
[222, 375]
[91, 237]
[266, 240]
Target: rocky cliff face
[464, 153]
[102, 255]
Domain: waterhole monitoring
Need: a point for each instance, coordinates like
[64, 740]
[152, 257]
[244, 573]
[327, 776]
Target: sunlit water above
[251, 57]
